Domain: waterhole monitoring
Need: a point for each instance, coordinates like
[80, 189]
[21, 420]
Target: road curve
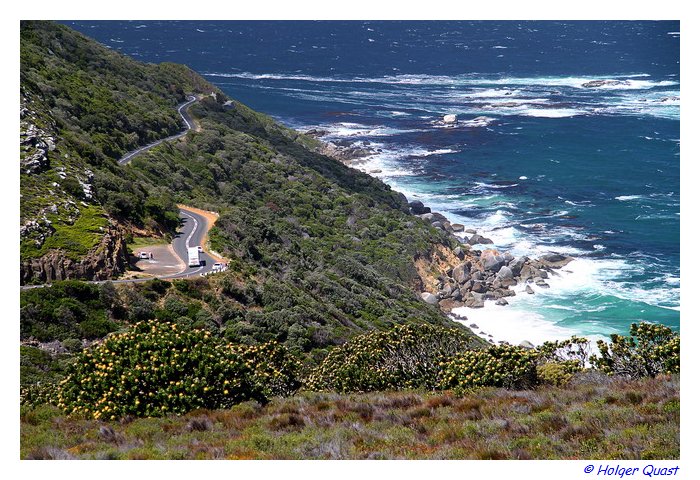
[194, 225]
[194, 229]
[189, 125]
[191, 234]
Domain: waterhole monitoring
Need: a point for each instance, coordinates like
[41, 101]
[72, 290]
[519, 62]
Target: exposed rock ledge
[466, 277]
[106, 260]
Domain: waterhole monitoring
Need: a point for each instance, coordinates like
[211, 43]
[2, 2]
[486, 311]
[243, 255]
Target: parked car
[144, 255]
[199, 248]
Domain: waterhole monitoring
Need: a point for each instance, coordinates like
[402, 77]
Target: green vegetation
[156, 368]
[136, 243]
[68, 310]
[75, 238]
[497, 366]
[407, 356]
[94, 105]
[650, 350]
[594, 417]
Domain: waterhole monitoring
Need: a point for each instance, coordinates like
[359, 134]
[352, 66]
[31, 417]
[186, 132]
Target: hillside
[318, 325]
[319, 252]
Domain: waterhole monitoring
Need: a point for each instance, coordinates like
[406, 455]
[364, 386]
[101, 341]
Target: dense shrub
[407, 356]
[498, 366]
[559, 360]
[67, 309]
[158, 368]
[650, 350]
[275, 371]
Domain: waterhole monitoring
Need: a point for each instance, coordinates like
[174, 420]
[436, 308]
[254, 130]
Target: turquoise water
[567, 138]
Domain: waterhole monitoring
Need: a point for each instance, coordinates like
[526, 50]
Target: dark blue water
[567, 137]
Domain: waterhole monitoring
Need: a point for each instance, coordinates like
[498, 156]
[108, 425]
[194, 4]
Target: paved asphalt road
[192, 234]
[189, 125]
[194, 226]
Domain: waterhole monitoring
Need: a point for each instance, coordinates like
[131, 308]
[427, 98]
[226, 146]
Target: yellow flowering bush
[650, 350]
[158, 368]
[406, 356]
[498, 366]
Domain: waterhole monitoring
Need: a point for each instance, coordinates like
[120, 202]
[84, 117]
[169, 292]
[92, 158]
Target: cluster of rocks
[488, 275]
[342, 150]
[38, 230]
[34, 142]
[483, 275]
[104, 261]
[34, 146]
[604, 83]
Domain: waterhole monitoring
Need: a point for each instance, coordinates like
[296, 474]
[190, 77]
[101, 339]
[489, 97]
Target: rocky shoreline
[482, 274]
[472, 273]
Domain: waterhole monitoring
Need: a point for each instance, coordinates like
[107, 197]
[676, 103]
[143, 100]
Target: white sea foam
[625, 198]
[422, 79]
[497, 187]
[522, 177]
[491, 93]
[512, 324]
[348, 129]
[551, 112]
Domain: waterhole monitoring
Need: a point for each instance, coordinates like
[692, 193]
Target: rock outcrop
[106, 260]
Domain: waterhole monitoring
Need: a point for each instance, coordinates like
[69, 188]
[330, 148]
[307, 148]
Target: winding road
[194, 225]
[189, 125]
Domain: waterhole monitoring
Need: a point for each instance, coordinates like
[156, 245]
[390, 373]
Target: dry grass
[592, 418]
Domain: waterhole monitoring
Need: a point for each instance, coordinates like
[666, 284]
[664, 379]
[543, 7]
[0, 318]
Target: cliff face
[106, 260]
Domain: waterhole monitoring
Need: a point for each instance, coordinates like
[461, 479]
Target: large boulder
[479, 286]
[527, 272]
[517, 265]
[505, 275]
[459, 253]
[429, 298]
[417, 207]
[439, 216]
[478, 239]
[491, 260]
[474, 300]
[555, 260]
[461, 272]
[457, 227]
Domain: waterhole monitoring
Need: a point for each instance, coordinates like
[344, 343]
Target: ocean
[567, 138]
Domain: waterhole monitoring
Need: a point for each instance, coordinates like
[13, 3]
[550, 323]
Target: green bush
[276, 372]
[559, 360]
[159, 368]
[407, 356]
[554, 373]
[650, 350]
[498, 366]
